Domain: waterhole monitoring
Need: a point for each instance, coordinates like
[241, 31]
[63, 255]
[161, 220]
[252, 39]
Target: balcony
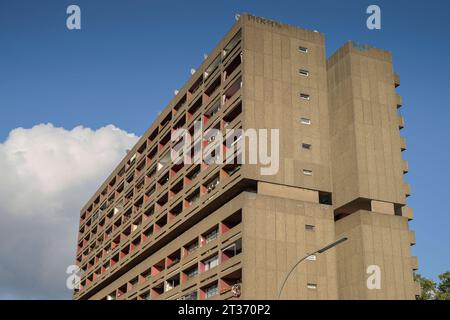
[402, 144]
[407, 212]
[407, 189]
[396, 79]
[405, 166]
[398, 100]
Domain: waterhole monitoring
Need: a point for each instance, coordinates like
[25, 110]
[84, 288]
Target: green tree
[443, 289]
[427, 286]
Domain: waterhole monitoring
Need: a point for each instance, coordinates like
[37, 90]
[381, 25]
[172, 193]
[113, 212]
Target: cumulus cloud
[47, 174]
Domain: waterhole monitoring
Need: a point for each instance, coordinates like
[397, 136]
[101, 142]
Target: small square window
[304, 72]
[307, 146]
[305, 121]
[312, 257]
[309, 227]
[305, 96]
[312, 286]
[307, 172]
[303, 49]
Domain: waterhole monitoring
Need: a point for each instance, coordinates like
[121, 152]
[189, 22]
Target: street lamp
[321, 250]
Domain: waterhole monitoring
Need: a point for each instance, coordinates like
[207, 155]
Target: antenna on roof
[205, 56]
[237, 16]
[192, 71]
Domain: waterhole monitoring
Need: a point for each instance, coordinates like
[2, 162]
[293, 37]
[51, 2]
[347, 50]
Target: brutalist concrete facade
[158, 230]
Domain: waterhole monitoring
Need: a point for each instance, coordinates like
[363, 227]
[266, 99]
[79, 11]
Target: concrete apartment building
[160, 230]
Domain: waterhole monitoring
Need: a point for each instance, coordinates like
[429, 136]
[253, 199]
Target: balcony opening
[158, 289]
[196, 86]
[151, 156]
[210, 290]
[232, 90]
[233, 114]
[163, 161]
[135, 243]
[191, 272]
[193, 173]
[180, 104]
[176, 210]
[136, 224]
[163, 180]
[140, 168]
[209, 263]
[210, 235]
[228, 281]
[145, 296]
[180, 124]
[193, 198]
[153, 135]
[212, 111]
[146, 276]
[133, 283]
[212, 67]
[172, 282]
[191, 247]
[190, 296]
[232, 221]
[165, 140]
[148, 233]
[166, 120]
[163, 200]
[232, 44]
[211, 184]
[158, 268]
[149, 212]
[232, 250]
[232, 66]
[149, 193]
[138, 204]
[176, 188]
[173, 258]
[111, 296]
[124, 252]
[161, 222]
[194, 108]
[212, 89]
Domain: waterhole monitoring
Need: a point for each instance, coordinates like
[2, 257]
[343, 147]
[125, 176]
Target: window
[211, 290]
[307, 172]
[311, 257]
[211, 262]
[312, 286]
[305, 121]
[212, 235]
[190, 296]
[192, 272]
[303, 49]
[304, 96]
[309, 227]
[306, 146]
[304, 72]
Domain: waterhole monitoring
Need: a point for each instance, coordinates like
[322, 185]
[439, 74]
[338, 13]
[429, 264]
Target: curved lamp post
[321, 250]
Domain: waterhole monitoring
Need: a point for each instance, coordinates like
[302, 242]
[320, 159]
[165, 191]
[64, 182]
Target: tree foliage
[432, 291]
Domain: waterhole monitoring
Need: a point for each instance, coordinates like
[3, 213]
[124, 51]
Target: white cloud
[46, 176]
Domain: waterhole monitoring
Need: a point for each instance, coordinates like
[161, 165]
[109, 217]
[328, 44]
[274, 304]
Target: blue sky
[129, 57]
